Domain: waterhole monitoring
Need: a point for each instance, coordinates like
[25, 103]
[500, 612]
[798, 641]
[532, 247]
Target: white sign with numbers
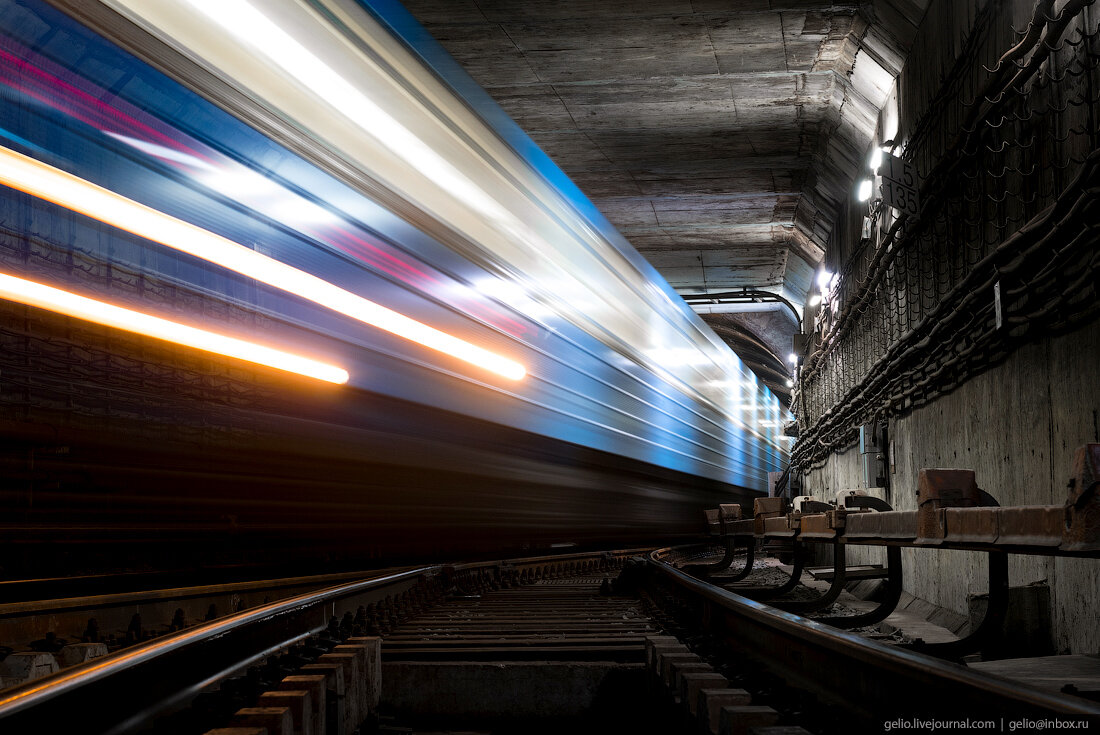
[899, 185]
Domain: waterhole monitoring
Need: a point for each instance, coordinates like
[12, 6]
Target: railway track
[604, 642]
[872, 682]
[156, 682]
[67, 621]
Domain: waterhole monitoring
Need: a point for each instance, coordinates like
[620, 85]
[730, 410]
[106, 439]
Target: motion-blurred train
[278, 280]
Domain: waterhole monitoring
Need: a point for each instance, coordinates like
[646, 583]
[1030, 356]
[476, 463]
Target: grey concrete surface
[719, 137]
[1017, 426]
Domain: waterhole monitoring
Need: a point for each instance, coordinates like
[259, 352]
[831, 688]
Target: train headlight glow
[57, 300]
[64, 189]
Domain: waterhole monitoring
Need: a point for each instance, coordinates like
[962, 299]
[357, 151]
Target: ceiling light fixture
[876, 159]
[864, 192]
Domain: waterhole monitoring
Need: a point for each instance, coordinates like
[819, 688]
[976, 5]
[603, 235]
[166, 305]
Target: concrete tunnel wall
[1016, 424]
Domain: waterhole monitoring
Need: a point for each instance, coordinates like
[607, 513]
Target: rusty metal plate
[758, 521]
[1031, 525]
[949, 487]
[740, 528]
[938, 489]
[971, 525]
[1085, 475]
[769, 505]
[778, 526]
[930, 526]
[729, 511]
[1082, 511]
[900, 525]
[838, 518]
[817, 525]
[713, 526]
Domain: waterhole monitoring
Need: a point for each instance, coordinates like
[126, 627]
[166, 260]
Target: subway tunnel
[302, 286]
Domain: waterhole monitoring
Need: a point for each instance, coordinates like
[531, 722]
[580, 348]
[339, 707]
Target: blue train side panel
[137, 442]
[81, 104]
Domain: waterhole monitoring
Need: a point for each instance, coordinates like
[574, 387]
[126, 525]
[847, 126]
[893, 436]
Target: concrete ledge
[677, 669]
[691, 683]
[299, 704]
[665, 662]
[710, 702]
[23, 666]
[334, 692]
[737, 720]
[275, 720]
[78, 653]
[318, 694]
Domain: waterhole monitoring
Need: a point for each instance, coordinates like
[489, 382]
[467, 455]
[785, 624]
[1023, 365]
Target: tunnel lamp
[864, 192]
[64, 189]
[815, 300]
[792, 358]
[790, 383]
[876, 159]
[823, 278]
[64, 302]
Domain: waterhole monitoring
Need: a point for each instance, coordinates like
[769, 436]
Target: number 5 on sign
[899, 185]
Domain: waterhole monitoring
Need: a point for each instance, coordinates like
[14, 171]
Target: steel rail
[870, 679]
[61, 597]
[62, 600]
[103, 695]
[127, 690]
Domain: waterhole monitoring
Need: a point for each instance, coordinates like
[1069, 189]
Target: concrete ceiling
[719, 136]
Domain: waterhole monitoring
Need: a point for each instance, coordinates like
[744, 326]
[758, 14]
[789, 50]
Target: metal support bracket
[727, 559]
[886, 606]
[992, 625]
[744, 571]
[840, 578]
[770, 593]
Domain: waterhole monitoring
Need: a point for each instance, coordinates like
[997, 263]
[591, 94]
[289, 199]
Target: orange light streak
[60, 301]
[66, 190]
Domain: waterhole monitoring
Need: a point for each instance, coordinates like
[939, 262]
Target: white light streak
[69, 191]
[162, 152]
[256, 30]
